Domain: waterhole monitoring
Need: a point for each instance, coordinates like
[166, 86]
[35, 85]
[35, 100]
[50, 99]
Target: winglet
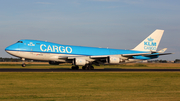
[151, 42]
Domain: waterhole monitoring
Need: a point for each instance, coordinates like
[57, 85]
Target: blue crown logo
[150, 39]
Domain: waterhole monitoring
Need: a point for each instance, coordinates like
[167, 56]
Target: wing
[111, 59]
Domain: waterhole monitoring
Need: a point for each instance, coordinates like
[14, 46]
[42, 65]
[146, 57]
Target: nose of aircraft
[13, 47]
[8, 48]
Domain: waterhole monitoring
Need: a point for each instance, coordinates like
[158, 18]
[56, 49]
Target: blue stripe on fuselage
[49, 47]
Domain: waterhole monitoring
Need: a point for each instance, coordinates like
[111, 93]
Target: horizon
[118, 24]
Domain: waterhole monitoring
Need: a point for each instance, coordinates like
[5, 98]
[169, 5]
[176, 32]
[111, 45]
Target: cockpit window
[19, 42]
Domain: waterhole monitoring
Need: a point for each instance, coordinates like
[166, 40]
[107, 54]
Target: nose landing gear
[23, 64]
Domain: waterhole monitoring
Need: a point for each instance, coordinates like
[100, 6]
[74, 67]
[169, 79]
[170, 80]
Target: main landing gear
[86, 67]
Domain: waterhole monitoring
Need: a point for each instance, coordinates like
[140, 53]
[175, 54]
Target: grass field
[106, 86]
[137, 86]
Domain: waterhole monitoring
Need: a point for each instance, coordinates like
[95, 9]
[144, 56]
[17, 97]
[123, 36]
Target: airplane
[86, 56]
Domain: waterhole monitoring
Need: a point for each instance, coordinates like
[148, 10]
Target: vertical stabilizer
[151, 42]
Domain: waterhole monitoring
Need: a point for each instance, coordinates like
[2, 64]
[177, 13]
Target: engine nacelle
[113, 60]
[54, 63]
[79, 62]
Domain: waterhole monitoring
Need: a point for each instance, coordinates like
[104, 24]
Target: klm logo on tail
[149, 44]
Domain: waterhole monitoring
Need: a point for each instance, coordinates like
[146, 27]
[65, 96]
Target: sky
[119, 24]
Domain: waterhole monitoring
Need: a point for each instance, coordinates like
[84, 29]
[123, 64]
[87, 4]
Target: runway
[80, 70]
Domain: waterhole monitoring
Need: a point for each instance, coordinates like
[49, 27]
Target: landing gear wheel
[23, 65]
[83, 67]
[75, 67]
[91, 68]
[88, 67]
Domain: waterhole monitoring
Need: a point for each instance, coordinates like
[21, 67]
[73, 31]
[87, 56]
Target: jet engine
[79, 62]
[114, 60]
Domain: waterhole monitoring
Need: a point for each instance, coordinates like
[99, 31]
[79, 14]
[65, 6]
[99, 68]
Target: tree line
[16, 60]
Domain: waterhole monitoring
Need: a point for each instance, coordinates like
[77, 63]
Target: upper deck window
[19, 42]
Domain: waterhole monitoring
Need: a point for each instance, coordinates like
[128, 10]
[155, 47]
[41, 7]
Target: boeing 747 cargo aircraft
[86, 56]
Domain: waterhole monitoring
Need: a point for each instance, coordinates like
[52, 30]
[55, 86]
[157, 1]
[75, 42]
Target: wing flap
[68, 57]
[99, 57]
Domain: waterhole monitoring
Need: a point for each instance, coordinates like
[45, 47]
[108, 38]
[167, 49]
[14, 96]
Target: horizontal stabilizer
[158, 54]
[130, 55]
[162, 50]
